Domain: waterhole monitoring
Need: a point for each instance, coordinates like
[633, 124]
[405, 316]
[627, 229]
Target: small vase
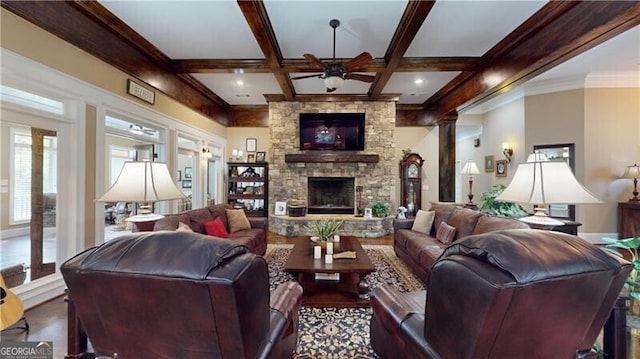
[322, 243]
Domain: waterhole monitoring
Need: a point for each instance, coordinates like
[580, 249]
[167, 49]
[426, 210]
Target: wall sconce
[207, 153]
[507, 151]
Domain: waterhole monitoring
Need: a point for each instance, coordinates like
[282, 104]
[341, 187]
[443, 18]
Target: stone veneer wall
[289, 180]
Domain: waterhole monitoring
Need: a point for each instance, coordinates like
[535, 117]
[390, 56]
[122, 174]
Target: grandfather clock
[411, 183]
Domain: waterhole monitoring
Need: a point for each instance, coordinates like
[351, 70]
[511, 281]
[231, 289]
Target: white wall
[503, 124]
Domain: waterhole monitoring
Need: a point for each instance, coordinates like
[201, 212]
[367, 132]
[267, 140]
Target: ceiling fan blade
[330, 90]
[312, 58]
[358, 61]
[305, 76]
[363, 78]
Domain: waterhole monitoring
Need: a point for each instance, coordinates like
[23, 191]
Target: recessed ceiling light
[418, 81]
[239, 83]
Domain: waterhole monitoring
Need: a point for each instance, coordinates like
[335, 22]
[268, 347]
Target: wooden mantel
[331, 156]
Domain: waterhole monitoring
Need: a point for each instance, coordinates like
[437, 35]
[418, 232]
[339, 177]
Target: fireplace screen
[330, 195]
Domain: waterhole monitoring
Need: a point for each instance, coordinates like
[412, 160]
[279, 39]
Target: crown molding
[628, 79]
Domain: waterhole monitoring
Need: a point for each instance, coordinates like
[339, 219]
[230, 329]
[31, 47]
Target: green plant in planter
[631, 287]
[489, 204]
[631, 246]
[324, 229]
[380, 210]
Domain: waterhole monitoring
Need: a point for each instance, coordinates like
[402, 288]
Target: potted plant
[489, 205]
[380, 210]
[630, 246]
[324, 230]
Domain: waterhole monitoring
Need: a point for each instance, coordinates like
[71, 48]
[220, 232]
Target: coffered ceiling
[227, 59]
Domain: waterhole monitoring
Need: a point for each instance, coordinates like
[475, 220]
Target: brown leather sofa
[254, 238]
[178, 295]
[420, 251]
[519, 293]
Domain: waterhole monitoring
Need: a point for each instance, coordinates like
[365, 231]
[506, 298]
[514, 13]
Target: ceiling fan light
[333, 82]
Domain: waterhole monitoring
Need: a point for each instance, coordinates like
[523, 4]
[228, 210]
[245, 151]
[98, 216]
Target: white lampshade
[142, 182]
[542, 182]
[333, 82]
[632, 172]
[470, 168]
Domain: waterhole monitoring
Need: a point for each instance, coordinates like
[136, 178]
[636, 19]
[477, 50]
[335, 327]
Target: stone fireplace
[290, 179]
[330, 195]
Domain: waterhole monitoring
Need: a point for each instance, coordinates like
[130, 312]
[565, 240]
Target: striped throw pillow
[445, 233]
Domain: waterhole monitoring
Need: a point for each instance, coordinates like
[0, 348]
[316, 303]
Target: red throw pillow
[216, 228]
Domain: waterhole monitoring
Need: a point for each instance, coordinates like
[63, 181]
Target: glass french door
[33, 203]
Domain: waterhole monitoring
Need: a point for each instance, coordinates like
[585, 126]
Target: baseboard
[41, 290]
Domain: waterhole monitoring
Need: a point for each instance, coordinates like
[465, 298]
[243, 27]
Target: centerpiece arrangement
[324, 230]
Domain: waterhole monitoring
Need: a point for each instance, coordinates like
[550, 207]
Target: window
[20, 190]
[119, 155]
[30, 100]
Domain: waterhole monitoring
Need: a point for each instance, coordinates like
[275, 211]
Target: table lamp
[144, 182]
[470, 168]
[633, 172]
[542, 182]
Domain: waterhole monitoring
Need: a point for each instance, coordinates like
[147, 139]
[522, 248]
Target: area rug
[334, 333]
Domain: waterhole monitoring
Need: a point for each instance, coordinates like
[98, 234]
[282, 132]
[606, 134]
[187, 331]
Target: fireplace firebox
[330, 195]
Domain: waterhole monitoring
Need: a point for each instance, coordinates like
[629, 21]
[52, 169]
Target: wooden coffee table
[350, 290]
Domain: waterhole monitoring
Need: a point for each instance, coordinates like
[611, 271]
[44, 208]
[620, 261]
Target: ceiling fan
[335, 73]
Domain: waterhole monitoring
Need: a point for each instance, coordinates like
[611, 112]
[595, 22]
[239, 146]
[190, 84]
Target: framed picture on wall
[251, 157]
[188, 172]
[260, 156]
[186, 183]
[488, 163]
[251, 144]
[501, 168]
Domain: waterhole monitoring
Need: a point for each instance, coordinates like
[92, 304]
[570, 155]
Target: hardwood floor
[48, 321]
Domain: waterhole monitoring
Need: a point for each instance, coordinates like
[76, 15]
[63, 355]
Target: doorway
[33, 204]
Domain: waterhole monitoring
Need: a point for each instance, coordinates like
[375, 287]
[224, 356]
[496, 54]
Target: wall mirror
[566, 153]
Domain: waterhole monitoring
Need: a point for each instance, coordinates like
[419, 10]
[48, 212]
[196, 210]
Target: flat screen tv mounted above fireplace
[332, 131]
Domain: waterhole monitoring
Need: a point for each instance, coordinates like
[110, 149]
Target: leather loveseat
[170, 295]
[254, 238]
[420, 251]
[518, 293]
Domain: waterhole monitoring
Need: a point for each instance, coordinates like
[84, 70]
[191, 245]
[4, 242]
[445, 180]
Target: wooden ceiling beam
[92, 28]
[259, 66]
[331, 98]
[249, 116]
[556, 33]
[414, 15]
[256, 16]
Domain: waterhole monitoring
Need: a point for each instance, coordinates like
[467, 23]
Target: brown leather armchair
[517, 293]
[177, 295]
